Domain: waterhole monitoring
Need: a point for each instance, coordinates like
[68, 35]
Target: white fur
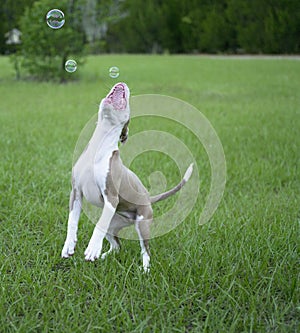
[70, 243]
[188, 172]
[94, 248]
[145, 255]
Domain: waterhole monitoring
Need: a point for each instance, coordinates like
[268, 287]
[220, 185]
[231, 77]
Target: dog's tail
[175, 189]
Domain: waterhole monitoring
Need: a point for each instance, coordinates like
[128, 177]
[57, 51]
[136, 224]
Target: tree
[217, 34]
[282, 27]
[10, 13]
[139, 28]
[148, 26]
[44, 50]
[98, 15]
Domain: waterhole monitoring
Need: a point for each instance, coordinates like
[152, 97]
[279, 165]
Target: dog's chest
[92, 171]
[92, 193]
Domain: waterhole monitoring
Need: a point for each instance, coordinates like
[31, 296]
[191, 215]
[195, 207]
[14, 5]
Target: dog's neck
[106, 136]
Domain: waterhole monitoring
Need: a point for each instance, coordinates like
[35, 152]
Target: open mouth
[117, 97]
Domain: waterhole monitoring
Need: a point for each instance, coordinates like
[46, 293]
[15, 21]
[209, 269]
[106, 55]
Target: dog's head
[115, 109]
[115, 106]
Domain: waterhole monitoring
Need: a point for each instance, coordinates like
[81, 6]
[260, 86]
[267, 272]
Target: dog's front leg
[94, 248]
[74, 214]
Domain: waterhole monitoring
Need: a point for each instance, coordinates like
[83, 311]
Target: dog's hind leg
[114, 245]
[74, 214]
[142, 226]
[115, 226]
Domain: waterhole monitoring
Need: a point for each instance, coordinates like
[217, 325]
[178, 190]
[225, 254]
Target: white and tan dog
[100, 176]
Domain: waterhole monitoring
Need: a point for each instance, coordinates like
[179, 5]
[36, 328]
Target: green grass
[237, 273]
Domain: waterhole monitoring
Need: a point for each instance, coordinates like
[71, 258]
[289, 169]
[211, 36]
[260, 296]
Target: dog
[101, 178]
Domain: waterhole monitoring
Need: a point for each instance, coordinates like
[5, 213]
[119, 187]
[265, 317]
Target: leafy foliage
[45, 50]
[10, 13]
[258, 26]
[146, 26]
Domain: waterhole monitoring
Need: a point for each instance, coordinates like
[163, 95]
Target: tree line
[144, 26]
[176, 26]
[211, 26]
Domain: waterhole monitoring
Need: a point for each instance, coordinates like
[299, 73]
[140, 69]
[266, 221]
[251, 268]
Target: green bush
[44, 51]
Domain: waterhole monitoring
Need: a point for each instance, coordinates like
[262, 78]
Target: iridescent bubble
[114, 72]
[70, 66]
[55, 18]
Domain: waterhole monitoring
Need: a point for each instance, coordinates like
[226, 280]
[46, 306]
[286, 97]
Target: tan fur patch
[113, 179]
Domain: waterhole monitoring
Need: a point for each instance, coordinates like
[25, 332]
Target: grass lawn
[237, 273]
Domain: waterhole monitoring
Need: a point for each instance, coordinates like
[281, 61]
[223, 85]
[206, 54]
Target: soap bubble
[55, 18]
[70, 66]
[114, 72]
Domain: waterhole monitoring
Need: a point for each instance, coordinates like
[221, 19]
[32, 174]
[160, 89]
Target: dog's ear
[124, 133]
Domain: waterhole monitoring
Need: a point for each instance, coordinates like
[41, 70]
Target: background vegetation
[237, 273]
[139, 26]
[175, 26]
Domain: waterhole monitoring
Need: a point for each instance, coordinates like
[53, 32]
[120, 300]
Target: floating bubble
[114, 72]
[70, 66]
[55, 18]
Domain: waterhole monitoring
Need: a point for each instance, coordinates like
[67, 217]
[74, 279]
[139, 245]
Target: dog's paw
[93, 251]
[114, 248]
[145, 269]
[105, 254]
[94, 248]
[68, 249]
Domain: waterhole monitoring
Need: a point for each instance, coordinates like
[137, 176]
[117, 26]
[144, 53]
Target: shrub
[44, 51]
